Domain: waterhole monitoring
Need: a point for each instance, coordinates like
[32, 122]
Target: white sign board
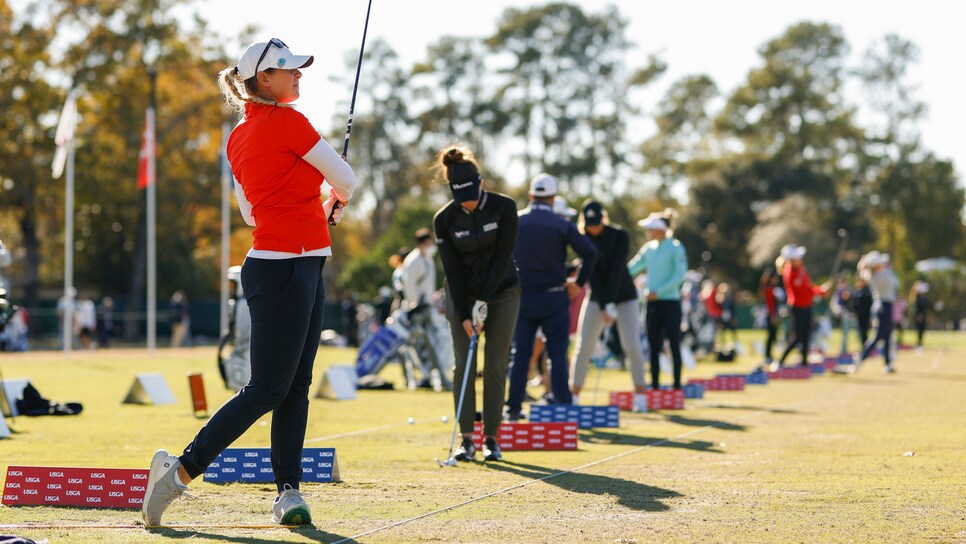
[149, 389]
[11, 391]
[338, 383]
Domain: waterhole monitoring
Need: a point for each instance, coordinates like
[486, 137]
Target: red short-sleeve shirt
[265, 151]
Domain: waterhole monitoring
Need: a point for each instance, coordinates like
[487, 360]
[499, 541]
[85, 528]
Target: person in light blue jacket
[665, 261]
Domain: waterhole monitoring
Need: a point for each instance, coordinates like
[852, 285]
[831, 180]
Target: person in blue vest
[541, 258]
[665, 261]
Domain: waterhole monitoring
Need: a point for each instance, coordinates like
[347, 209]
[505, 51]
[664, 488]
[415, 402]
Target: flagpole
[152, 286]
[69, 251]
[225, 227]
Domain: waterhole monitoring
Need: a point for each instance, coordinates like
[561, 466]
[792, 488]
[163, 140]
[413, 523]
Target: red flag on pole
[146, 155]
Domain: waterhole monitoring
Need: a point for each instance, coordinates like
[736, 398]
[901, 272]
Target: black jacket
[476, 249]
[610, 280]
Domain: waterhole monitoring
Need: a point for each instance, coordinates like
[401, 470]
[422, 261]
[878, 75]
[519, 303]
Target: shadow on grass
[605, 437]
[681, 420]
[750, 408]
[309, 532]
[630, 494]
[934, 376]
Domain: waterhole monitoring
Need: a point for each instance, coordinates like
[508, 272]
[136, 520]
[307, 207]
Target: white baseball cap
[654, 222]
[543, 185]
[271, 54]
[792, 252]
[876, 258]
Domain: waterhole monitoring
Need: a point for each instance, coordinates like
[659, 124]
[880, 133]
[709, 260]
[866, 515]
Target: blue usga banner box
[758, 377]
[586, 416]
[254, 465]
[691, 390]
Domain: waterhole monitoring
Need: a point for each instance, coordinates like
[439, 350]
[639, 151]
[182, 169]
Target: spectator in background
[350, 324]
[105, 322]
[861, 301]
[85, 323]
[766, 289]
[541, 259]
[665, 261]
[726, 301]
[383, 305]
[919, 298]
[179, 318]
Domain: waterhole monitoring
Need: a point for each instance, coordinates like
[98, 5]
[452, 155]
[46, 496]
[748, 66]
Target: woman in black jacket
[613, 297]
[476, 233]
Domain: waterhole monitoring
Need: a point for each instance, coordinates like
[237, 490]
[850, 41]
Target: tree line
[781, 158]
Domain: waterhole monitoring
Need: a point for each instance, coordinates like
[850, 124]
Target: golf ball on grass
[411, 421]
[444, 419]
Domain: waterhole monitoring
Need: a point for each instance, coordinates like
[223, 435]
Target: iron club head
[451, 462]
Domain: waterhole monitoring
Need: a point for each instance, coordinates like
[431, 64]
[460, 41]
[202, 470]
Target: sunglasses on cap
[274, 41]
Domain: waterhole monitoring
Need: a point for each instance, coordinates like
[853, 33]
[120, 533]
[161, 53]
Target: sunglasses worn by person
[274, 41]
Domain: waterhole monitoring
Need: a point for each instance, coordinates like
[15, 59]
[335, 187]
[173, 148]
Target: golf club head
[451, 462]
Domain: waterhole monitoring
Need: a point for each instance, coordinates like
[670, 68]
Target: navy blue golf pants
[552, 312]
[286, 299]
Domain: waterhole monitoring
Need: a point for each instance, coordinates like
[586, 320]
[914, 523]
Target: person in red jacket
[800, 294]
[281, 164]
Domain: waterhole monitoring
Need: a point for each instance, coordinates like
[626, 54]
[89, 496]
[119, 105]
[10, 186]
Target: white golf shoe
[290, 508]
[164, 486]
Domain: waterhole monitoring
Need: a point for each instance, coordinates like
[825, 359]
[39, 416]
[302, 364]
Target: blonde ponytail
[238, 92]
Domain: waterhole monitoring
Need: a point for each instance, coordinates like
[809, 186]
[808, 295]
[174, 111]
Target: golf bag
[414, 339]
[234, 361]
[31, 403]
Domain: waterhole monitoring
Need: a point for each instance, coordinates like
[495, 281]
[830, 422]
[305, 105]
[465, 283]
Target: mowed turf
[861, 458]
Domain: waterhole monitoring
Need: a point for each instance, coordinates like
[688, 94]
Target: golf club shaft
[838, 254]
[352, 103]
[466, 378]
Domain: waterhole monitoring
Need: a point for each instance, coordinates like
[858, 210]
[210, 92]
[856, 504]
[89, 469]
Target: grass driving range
[861, 458]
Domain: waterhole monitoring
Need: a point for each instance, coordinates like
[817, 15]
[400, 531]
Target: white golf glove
[611, 310]
[333, 212]
[479, 314]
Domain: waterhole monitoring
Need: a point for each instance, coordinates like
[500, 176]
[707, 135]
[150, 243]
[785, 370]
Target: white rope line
[353, 433]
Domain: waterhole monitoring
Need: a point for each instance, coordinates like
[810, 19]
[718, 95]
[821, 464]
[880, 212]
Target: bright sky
[717, 38]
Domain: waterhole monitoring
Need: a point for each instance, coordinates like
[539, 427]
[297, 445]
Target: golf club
[450, 461]
[600, 363]
[352, 104]
[843, 238]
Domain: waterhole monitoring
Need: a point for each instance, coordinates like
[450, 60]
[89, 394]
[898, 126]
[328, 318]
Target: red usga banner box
[70, 486]
[791, 373]
[661, 399]
[722, 383]
[560, 435]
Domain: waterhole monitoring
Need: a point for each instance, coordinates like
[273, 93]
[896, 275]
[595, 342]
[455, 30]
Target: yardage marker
[554, 475]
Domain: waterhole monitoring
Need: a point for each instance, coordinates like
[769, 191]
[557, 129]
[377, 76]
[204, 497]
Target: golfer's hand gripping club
[332, 208]
[479, 314]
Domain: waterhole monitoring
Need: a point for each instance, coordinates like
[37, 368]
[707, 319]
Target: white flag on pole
[65, 133]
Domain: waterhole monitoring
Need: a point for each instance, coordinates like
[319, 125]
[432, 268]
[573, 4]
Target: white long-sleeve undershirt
[324, 158]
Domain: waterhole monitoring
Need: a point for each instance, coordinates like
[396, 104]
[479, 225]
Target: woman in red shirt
[800, 293]
[281, 163]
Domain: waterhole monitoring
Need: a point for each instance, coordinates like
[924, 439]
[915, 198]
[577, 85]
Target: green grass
[818, 461]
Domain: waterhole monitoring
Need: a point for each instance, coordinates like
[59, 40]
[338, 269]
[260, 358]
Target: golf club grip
[335, 206]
